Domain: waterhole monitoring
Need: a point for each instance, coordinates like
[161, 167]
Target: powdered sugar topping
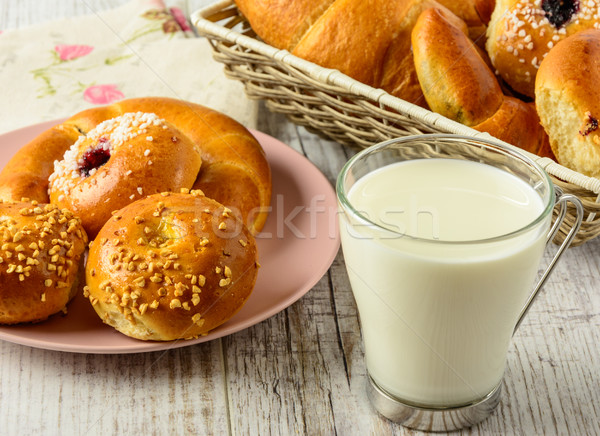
[109, 136]
[531, 13]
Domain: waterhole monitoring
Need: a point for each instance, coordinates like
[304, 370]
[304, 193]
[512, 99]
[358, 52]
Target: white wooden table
[301, 371]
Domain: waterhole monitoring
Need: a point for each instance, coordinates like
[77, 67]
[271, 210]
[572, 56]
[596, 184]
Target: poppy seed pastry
[171, 266]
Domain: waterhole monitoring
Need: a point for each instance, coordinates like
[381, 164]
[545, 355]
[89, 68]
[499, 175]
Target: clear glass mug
[437, 315]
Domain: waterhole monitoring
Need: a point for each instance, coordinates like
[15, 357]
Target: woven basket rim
[379, 96]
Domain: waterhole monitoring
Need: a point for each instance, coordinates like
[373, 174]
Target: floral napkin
[143, 48]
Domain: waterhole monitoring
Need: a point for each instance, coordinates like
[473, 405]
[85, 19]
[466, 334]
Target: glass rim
[487, 143]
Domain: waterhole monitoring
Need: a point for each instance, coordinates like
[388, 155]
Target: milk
[437, 316]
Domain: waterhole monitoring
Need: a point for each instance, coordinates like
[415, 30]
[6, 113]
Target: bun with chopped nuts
[41, 260]
[171, 266]
[522, 32]
[211, 152]
[567, 101]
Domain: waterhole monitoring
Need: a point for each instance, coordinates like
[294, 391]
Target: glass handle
[562, 200]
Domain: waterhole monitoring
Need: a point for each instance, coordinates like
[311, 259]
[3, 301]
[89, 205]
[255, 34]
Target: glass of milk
[442, 237]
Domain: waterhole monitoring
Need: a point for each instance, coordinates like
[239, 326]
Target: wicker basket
[340, 108]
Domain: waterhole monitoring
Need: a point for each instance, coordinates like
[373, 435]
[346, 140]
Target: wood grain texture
[302, 370]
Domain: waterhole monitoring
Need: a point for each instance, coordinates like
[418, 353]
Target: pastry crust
[233, 166]
[567, 101]
[171, 266]
[521, 33]
[119, 161]
[42, 251]
[455, 79]
[366, 40]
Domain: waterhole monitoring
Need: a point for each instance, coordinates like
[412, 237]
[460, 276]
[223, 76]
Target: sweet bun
[26, 174]
[567, 100]
[521, 33]
[475, 13]
[41, 260]
[518, 123]
[234, 168]
[456, 81]
[119, 161]
[398, 76]
[368, 41]
[352, 37]
[171, 266]
[283, 23]
[286, 20]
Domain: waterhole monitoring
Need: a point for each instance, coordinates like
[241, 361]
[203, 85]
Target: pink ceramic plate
[296, 247]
